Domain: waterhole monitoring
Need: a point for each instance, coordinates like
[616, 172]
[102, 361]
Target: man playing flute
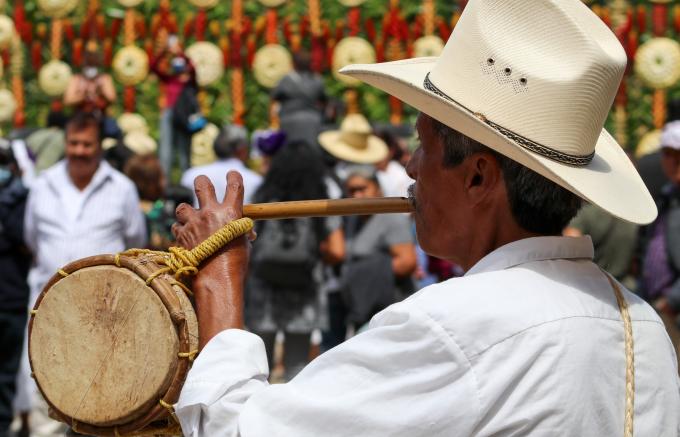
[534, 340]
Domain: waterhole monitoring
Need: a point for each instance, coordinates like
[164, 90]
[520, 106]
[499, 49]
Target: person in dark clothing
[14, 263]
[661, 261]
[302, 97]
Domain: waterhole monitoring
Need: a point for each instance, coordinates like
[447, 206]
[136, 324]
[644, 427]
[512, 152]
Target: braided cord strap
[630, 359]
[181, 261]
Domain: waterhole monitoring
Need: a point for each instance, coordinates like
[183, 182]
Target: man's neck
[81, 182]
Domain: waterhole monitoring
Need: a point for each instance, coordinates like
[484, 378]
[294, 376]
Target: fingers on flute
[205, 191]
[184, 212]
[233, 197]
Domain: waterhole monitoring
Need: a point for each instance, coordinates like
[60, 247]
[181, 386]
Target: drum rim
[143, 268]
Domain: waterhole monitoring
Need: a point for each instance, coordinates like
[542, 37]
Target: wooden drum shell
[182, 318]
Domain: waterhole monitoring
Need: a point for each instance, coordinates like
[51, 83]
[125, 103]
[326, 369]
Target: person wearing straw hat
[535, 339]
[354, 142]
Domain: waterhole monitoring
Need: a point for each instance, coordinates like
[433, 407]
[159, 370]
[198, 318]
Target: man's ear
[483, 176]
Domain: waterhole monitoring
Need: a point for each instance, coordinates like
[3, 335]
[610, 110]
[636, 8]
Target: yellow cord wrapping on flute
[181, 261]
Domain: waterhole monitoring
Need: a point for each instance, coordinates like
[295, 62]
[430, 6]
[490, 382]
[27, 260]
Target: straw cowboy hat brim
[375, 149]
[609, 181]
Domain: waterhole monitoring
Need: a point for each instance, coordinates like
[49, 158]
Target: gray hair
[231, 138]
[537, 204]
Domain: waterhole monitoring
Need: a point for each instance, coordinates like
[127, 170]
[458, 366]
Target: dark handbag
[367, 286]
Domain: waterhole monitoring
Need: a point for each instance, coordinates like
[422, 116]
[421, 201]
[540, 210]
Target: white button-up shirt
[217, 173]
[63, 224]
[530, 342]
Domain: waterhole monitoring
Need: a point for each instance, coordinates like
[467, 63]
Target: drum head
[103, 346]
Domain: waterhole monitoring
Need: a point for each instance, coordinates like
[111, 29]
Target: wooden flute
[327, 207]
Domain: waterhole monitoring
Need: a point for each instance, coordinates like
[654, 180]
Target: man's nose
[412, 165]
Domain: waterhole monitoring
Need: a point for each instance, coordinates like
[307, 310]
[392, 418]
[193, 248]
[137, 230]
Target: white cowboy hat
[533, 80]
[354, 142]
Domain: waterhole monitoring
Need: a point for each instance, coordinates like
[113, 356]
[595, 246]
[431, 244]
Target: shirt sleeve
[135, 224]
[404, 376]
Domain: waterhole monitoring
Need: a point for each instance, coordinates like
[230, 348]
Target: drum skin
[109, 352]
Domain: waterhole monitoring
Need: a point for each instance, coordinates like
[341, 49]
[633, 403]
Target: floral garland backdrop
[243, 46]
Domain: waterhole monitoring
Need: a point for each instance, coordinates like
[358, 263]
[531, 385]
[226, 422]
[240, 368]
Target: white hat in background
[670, 136]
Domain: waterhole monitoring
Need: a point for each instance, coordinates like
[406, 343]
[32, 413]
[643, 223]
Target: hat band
[547, 152]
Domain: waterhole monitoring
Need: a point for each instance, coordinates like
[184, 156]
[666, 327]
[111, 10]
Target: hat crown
[355, 130]
[547, 70]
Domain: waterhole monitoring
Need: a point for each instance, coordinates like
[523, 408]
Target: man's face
[359, 187]
[83, 151]
[670, 162]
[441, 217]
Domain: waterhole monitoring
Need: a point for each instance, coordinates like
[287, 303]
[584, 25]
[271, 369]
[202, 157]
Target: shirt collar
[231, 161]
[61, 177]
[534, 249]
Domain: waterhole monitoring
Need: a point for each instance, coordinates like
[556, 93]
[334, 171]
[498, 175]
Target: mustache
[412, 195]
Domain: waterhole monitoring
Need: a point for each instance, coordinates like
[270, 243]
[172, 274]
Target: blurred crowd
[81, 186]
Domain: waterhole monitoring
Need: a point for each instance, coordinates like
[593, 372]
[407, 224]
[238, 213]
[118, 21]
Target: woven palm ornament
[430, 45]
[649, 143]
[132, 122]
[202, 145]
[130, 3]
[270, 64]
[204, 4]
[54, 77]
[208, 62]
[6, 31]
[8, 105]
[351, 3]
[657, 62]
[57, 8]
[272, 3]
[140, 143]
[351, 50]
[130, 65]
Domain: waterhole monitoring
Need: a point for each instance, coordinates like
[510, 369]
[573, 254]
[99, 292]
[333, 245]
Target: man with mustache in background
[79, 207]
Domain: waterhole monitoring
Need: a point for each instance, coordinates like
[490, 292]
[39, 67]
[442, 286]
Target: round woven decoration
[57, 8]
[426, 46]
[54, 77]
[657, 62]
[129, 122]
[208, 62]
[271, 63]
[7, 105]
[272, 3]
[204, 4]
[130, 3]
[140, 143]
[649, 143]
[351, 50]
[130, 65]
[351, 3]
[6, 31]
[202, 151]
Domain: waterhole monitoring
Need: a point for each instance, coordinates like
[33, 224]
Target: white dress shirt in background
[530, 342]
[217, 173]
[63, 224]
[394, 180]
